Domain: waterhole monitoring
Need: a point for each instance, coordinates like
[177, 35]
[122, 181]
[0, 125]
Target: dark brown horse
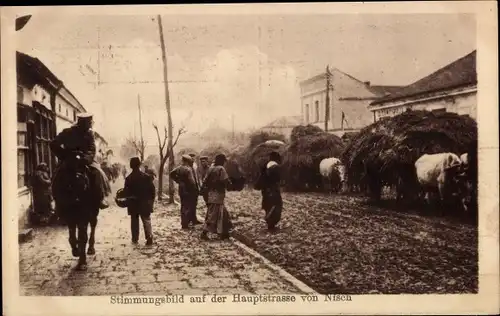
[78, 200]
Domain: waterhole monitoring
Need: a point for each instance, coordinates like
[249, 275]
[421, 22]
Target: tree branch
[181, 131]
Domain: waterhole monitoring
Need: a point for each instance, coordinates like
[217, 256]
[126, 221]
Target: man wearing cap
[188, 189]
[217, 220]
[269, 182]
[140, 186]
[78, 140]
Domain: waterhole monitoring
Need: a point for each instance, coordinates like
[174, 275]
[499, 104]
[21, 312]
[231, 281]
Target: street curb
[287, 276]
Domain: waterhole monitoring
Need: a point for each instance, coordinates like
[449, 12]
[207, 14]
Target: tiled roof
[285, 121]
[461, 72]
[385, 90]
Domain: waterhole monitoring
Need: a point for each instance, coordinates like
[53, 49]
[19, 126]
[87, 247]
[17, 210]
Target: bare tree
[165, 154]
[139, 146]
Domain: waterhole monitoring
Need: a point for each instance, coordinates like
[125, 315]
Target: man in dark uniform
[78, 140]
[269, 184]
[188, 190]
[140, 187]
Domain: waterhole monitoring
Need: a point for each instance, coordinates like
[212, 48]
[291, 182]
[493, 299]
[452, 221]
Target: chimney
[367, 83]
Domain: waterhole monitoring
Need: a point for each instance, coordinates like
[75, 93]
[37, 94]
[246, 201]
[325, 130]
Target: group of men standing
[189, 177]
[211, 181]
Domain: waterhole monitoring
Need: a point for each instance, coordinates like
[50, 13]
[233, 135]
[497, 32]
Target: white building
[349, 101]
[66, 108]
[452, 88]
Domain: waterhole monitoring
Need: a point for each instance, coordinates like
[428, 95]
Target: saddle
[71, 181]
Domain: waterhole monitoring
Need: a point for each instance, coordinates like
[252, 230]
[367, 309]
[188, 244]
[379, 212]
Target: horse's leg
[82, 243]
[72, 239]
[93, 224]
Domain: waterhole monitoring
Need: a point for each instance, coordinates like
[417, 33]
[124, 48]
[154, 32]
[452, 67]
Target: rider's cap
[204, 158]
[84, 116]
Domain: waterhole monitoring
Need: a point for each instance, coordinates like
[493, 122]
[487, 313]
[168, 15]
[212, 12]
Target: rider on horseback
[78, 141]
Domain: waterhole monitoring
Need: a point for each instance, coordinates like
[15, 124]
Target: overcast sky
[245, 65]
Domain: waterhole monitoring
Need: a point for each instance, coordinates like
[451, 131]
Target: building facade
[101, 147]
[66, 108]
[283, 125]
[452, 88]
[44, 108]
[349, 101]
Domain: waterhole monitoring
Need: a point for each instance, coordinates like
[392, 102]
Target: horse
[79, 199]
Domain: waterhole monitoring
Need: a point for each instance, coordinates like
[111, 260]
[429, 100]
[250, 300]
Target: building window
[59, 107]
[316, 106]
[67, 112]
[45, 133]
[24, 152]
[74, 115]
[307, 113]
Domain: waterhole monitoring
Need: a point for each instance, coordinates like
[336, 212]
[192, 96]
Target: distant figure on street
[217, 220]
[269, 184]
[42, 197]
[188, 190]
[149, 172]
[77, 142]
[124, 172]
[202, 173]
[140, 187]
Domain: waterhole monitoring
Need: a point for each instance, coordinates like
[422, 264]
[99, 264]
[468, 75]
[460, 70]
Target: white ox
[464, 158]
[331, 169]
[434, 173]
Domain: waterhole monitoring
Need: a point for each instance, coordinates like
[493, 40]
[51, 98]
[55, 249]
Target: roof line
[402, 96]
[59, 82]
[380, 101]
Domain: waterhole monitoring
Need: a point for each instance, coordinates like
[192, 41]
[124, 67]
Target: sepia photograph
[248, 158]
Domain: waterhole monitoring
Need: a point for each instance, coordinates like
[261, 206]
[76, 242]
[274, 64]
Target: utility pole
[140, 127]
[327, 101]
[169, 115]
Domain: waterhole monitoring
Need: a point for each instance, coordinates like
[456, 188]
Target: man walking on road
[269, 184]
[188, 190]
[140, 186]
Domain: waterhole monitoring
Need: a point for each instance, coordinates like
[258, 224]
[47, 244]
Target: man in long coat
[188, 189]
[78, 140]
[139, 186]
[269, 184]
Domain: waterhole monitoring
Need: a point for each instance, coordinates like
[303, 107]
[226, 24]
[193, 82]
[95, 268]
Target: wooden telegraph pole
[169, 115]
[327, 101]
[140, 127]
